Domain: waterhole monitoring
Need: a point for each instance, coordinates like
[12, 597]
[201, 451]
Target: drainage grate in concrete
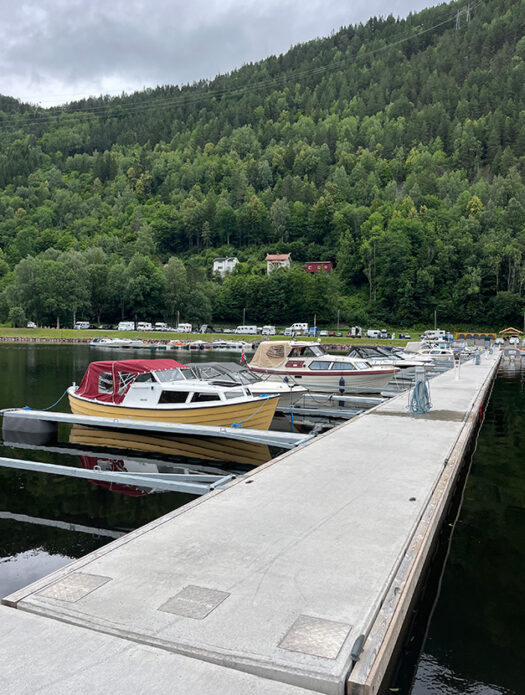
[74, 587]
[194, 602]
[316, 636]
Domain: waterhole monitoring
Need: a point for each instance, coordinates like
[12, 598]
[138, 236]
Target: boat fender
[341, 385]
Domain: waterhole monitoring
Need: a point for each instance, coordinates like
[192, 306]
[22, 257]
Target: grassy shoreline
[70, 335]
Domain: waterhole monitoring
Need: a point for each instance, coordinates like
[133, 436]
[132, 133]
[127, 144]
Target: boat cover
[270, 353]
[121, 373]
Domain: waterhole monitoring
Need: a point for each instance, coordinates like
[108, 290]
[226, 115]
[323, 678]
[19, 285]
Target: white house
[277, 260]
[224, 266]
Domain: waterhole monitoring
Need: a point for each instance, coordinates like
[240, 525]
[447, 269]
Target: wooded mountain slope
[395, 149]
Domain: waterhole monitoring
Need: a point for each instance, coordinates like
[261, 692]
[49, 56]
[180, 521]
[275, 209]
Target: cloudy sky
[54, 51]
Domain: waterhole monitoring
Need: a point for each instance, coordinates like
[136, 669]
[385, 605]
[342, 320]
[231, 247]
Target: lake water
[468, 636]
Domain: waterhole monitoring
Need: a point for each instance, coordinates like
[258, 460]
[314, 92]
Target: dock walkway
[299, 575]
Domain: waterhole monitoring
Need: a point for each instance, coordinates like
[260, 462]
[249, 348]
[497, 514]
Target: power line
[194, 98]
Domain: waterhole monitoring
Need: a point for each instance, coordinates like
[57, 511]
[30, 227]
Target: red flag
[243, 357]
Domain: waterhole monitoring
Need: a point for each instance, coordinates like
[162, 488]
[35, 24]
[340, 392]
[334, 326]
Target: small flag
[243, 357]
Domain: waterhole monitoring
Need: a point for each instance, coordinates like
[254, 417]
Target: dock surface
[282, 576]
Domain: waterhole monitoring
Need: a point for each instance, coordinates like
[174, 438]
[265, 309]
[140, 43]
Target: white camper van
[299, 328]
[126, 326]
[268, 330]
[247, 330]
[184, 328]
[144, 326]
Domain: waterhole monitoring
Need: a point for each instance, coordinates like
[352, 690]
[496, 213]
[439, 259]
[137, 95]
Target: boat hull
[256, 414]
[330, 381]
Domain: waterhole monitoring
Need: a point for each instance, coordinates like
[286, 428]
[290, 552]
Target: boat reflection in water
[217, 449]
[184, 455]
[144, 454]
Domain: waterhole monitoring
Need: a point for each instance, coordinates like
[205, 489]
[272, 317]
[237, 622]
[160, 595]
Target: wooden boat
[164, 390]
[307, 364]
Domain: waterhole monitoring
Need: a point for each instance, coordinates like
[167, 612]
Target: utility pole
[338, 320]
[462, 13]
[243, 316]
[435, 319]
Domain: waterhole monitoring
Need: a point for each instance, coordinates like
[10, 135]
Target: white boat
[307, 364]
[167, 391]
[116, 343]
[231, 345]
[377, 355]
[229, 373]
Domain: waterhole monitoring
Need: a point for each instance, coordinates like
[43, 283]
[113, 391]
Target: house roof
[231, 258]
[511, 331]
[277, 256]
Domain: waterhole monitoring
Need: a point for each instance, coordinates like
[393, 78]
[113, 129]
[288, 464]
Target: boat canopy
[270, 353]
[110, 380]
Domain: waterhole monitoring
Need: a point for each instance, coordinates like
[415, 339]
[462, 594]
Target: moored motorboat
[229, 373]
[165, 390]
[377, 355]
[116, 343]
[307, 364]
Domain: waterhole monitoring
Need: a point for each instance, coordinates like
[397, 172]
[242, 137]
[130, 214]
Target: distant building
[224, 266]
[277, 260]
[319, 267]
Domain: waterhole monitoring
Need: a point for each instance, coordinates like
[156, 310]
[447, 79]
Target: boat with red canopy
[165, 390]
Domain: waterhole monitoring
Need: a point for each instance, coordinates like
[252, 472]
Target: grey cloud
[54, 48]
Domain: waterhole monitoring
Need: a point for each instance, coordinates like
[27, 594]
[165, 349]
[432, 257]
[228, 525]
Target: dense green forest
[394, 149]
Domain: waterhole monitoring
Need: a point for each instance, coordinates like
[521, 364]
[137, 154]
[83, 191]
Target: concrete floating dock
[300, 575]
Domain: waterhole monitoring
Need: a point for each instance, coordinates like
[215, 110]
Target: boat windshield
[308, 351]
[166, 375]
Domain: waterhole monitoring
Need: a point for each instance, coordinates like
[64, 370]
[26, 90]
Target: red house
[319, 266]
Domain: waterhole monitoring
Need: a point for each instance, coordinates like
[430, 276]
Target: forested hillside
[394, 149]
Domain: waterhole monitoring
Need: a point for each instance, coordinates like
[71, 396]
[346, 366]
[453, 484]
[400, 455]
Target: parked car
[323, 334]
[31, 324]
[331, 334]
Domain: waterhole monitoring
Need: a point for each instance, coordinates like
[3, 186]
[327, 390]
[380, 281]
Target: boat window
[173, 397]
[144, 378]
[296, 352]
[202, 397]
[125, 379]
[318, 364]
[362, 365]
[105, 382]
[314, 351]
[165, 375]
[342, 366]
[233, 394]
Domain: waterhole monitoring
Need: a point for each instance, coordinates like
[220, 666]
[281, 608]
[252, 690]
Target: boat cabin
[150, 383]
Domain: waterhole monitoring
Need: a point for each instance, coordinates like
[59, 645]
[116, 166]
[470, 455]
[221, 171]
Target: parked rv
[247, 330]
[268, 330]
[80, 325]
[126, 326]
[184, 328]
[144, 326]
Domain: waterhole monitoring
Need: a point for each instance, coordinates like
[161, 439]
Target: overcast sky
[54, 51]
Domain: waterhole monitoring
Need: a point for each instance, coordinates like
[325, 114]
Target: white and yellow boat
[159, 390]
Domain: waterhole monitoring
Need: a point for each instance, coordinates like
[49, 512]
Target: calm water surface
[47, 520]
[475, 640]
